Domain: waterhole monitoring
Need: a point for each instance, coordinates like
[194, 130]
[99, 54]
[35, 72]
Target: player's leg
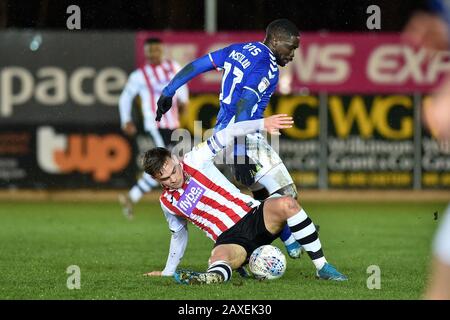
[278, 181]
[273, 175]
[234, 246]
[224, 258]
[285, 210]
[145, 184]
[293, 247]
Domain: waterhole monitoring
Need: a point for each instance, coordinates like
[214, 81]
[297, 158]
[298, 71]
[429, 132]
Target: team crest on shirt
[190, 197]
[263, 85]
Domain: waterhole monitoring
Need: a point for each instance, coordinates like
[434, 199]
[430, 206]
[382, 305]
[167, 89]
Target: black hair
[282, 28]
[154, 159]
[152, 40]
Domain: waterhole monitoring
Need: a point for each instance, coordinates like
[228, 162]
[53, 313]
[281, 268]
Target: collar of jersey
[267, 48]
[153, 64]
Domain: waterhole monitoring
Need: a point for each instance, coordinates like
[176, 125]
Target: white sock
[135, 193]
[221, 267]
[289, 241]
[305, 233]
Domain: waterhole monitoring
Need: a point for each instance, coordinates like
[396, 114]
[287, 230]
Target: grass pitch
[39, 241]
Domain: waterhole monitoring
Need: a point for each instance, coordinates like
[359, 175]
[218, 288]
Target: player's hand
[164, 105]
[153, 274]
[130, 129]
[276, 122]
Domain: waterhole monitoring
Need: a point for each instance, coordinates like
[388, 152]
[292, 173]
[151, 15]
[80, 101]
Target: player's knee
[289, 206]
[232, 254]
[219, 253]
[218, 257]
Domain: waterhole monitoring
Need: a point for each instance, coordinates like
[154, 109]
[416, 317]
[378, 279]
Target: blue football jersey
[246, 66]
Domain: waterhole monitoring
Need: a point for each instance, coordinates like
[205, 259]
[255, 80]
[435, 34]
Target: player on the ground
[148, 82]
[195, 190]
[250, 76]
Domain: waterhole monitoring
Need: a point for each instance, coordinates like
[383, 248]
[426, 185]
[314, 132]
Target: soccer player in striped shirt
[148, 82]
[196, 191]
[250, 76]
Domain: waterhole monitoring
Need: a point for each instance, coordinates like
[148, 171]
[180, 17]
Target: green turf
[38, 241]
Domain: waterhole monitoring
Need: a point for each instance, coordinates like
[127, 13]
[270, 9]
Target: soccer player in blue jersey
[250, 76]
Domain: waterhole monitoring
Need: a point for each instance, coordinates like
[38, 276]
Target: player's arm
[190, 71]
[183, 98]
[178, 243]
[182, 94]
[130, 90]
[207, 150]
[206, 63]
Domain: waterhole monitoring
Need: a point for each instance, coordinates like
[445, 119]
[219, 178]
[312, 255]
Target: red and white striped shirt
[149, 81]
[207, 198]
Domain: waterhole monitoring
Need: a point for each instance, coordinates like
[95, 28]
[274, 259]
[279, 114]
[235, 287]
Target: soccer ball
[267, 262]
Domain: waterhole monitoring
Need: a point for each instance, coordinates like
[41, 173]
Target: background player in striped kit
[195, 190]
[249, 79]
[148, 82]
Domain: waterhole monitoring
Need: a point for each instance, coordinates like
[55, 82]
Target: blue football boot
[294, 250]
[329, 272]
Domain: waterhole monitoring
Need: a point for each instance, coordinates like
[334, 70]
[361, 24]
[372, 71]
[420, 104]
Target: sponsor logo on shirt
[263, 85]
[190, 198]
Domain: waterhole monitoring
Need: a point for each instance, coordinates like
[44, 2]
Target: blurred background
[232, 15]
[369, 170]
[355, 91]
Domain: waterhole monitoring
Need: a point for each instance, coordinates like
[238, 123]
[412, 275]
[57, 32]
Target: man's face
[153, 53]
[171, 175]
[284, 49]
